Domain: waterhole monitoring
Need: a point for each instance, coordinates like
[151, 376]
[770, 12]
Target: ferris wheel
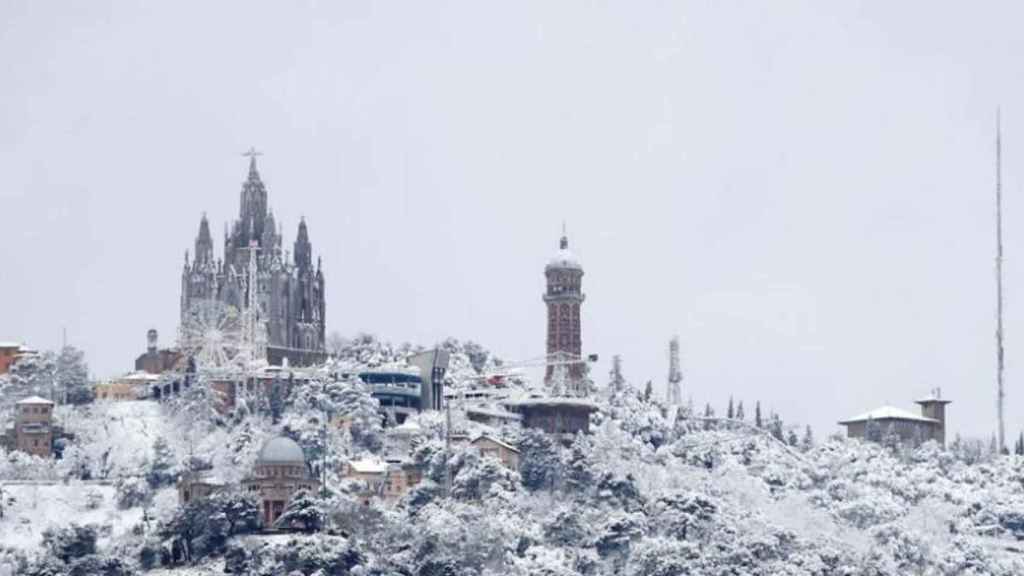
[212, 334]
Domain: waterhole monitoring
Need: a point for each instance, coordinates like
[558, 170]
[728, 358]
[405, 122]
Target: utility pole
[447, 448]
[1001, 395]
[323, 452]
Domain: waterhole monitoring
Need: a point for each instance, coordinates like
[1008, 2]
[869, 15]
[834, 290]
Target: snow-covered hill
[649, 492]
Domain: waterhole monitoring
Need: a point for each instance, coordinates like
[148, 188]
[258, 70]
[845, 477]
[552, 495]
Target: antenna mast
[1001, 395]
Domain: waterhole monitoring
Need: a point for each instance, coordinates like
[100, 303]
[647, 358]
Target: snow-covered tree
[539, 463]
[34, 375]
[758, 421]
[161, 465]
[355, 403]
[72, 376]
[616, 381]
[306, 510]
[807, 442]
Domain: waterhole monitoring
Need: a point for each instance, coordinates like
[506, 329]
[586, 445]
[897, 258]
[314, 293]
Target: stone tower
[563, 297]
[934, 406]
[290, 291]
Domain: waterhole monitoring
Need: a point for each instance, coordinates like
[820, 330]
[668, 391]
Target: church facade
[290, 289]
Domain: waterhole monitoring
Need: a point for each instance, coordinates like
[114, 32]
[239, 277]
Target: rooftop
[564, 259]
[369, 466]
[35, 400]
[501, 443]
[281, 450]
[888, 413]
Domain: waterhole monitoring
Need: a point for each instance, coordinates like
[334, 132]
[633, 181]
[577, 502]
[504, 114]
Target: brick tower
[563, 297]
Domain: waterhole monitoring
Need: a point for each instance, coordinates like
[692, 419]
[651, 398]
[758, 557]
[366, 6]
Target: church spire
[204, 242]
[252, 153]
[303, 249]
[564, 242]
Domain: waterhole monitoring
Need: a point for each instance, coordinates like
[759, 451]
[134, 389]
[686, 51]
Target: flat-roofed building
[33, 426]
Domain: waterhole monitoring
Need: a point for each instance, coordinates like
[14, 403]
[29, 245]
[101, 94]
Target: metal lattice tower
[255, 332]
[675, 373]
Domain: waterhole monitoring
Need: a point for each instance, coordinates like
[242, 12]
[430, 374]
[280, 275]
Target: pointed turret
[267, 241]
[303, 249]
[204, 243]
[253, 210]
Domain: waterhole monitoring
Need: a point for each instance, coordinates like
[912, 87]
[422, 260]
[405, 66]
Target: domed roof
[564, 258]
[281, 450]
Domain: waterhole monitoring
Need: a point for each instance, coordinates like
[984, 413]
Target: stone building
[280, 472]
[198, 485]
[563, 297]
[908, 427]
[155, 360]
[561, 417]
[33, 430]
[385, 480]
[564, 410]
[9, 352]
[506, 453]
[132, 386]
[290, 291]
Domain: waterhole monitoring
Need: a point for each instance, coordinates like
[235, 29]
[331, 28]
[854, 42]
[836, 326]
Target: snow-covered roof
[556, 401]
[564, 259]
[932, 398]
[140, 376]
[35, 400]
[369, 466]
[493, 412]
[10, 345]
[504, 445]
[888, 413]
[407, 427]
[281, 450]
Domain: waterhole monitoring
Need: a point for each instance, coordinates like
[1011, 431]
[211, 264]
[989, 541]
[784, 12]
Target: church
[290, 289]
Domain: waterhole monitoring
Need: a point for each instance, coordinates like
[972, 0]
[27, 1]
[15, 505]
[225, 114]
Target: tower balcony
[565, 297]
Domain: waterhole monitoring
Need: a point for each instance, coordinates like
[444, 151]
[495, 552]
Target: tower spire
[252, 153]
[563, 243]
[1001, 394]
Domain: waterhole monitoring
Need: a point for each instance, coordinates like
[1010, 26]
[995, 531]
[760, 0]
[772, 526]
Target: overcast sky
[802, 191]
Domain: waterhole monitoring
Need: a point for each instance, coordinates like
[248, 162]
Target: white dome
[281, 450]
[564, 259]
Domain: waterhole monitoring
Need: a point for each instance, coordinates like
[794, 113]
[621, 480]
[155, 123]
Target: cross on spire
[252, 153]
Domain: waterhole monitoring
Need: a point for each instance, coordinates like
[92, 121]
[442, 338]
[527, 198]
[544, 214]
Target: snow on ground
[37, 507]
[118, 433]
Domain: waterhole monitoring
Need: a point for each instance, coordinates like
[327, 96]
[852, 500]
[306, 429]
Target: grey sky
[801, 190]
